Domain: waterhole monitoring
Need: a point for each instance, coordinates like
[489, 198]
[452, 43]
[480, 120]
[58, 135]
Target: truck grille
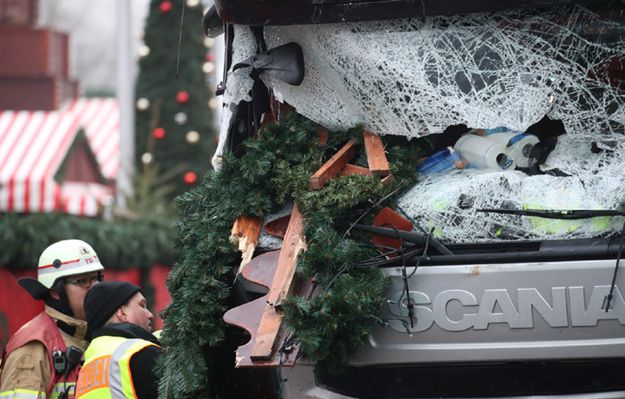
[477, 380]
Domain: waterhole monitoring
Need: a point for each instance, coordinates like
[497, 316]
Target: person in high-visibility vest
[42, 359]
[120, 360]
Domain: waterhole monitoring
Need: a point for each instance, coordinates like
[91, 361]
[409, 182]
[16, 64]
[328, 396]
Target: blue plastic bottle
[441, 161]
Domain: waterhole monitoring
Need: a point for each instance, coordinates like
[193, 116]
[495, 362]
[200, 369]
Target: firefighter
[120, 360]
[42, 358]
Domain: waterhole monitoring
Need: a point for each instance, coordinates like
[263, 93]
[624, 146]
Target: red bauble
[210, 57]
[182, 97]
[166, 6]
[189, 178]
[158, 133]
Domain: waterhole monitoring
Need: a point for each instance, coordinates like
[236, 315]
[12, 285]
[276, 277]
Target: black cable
[409, 304]
[372, 262]
[404, 275]
[410, 219]
[66, 388]
[288, 342]
[338, 273]
[608, 299]
[425, 253]
[374, 206]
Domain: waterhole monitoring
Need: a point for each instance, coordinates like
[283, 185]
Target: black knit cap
[103, 300]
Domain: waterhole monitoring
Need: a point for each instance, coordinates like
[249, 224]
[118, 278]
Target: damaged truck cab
[528, 299]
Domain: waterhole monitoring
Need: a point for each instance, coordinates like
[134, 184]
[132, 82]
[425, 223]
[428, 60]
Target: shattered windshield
[414, 77]
[507, 70]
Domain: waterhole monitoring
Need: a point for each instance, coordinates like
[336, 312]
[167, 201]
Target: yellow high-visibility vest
[106, 372]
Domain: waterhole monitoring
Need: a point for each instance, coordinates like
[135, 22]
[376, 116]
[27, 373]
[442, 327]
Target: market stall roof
[99, 117]
[48, 159]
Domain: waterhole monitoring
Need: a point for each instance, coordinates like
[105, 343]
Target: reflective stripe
[106, 372]
[59, 388]
[22, 394]
[56, 392]
[62, 263]
[70, 265]
[115, 372]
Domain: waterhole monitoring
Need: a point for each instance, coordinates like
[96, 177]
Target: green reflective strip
[22, 394]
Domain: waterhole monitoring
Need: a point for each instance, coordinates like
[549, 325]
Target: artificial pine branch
[274, 170]
[121, 244]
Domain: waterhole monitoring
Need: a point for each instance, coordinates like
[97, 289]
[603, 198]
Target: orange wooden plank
[270, 322]
[333, 166]
[266, 334]
[378, 165]
[351, 169]
[292, 244]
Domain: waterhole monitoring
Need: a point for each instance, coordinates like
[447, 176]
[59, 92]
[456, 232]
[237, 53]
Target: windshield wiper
[573, 214]
[410, 236]
[570, 214]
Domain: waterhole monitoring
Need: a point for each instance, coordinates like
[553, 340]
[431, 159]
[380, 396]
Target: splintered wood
[263, 316]
[269, 327]
[261, 271]
[244, 235]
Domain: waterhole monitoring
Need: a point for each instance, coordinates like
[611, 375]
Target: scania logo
[460, 310]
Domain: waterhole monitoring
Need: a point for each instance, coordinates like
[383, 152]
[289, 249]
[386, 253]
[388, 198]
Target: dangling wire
[424, 255]
[180, 41]
[338, 273]
[374, 206]
[404, 275]
[608, 299]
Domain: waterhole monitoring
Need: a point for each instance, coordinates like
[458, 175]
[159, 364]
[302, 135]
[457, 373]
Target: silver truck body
[510, 327]
[497, 314]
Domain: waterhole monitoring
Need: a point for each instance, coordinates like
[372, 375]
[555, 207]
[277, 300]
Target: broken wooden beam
[281, 286]
[333, 166]
[260, 271]
[292, 244]
[378, 165]
[245, 233]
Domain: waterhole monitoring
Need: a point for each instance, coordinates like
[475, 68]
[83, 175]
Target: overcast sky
[93, 42]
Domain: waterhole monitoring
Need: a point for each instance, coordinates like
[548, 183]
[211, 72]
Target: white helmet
[66, 258]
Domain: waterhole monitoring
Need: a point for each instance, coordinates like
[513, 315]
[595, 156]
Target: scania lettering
[498, 306]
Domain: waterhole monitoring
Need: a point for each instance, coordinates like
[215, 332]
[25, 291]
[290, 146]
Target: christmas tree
[174, 131]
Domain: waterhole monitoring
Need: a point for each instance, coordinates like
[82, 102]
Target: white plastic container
[518, 146]
[483, 152]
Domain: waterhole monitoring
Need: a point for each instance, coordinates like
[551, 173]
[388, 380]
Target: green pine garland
[120, 244]
[274, 170]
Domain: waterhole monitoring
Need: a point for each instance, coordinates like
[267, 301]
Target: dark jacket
[142, 363]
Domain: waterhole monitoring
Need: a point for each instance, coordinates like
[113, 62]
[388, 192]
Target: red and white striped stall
[47, 164]
[99, 117]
